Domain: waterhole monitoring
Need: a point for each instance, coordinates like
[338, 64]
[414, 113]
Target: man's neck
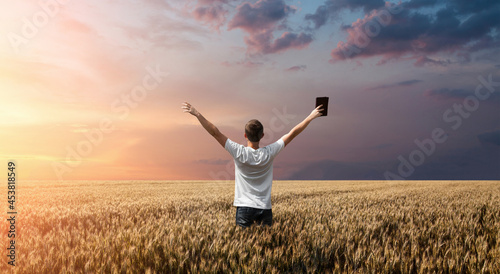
[254, 145]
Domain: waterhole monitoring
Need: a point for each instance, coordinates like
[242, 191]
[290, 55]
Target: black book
[322, 101]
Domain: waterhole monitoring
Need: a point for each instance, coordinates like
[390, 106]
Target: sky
[92, 90]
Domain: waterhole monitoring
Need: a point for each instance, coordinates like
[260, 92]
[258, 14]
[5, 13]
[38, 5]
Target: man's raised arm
[209, 127]
[287, 138]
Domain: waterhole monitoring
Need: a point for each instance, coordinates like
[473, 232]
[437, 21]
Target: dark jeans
[246, 216]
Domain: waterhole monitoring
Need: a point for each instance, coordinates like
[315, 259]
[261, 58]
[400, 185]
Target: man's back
[253, 166]
[253, 173]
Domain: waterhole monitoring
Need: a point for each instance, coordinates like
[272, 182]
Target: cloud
[492, 137]
[261, 20]
[406, 83]
[320, 17]
[334, 170]
[296, 68]
[424, 60]
[448, 93]
[415, 4]
[445, 93]
[264, 43]
[477, 163]
[332, 7]
[260, 16]
[211, 12]
[213, 15]
[467, 7]
[460, 27]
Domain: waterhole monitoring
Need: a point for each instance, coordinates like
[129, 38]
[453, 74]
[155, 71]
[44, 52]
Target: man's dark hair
[254, 130]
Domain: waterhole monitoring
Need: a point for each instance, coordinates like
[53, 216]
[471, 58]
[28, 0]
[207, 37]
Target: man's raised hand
[209, 127]
[316, 112]
[187, 107]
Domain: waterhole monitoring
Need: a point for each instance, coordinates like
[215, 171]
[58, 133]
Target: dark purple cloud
[260, 20]
[468, 6]
[289, 40]
[296, 68]
[492, 137]
[331, 8]
[446, 93]
[406, 83]
[335, 170]
[418, 29]
[477, 163]
[260, 16]
[265, 43]
[453, 29]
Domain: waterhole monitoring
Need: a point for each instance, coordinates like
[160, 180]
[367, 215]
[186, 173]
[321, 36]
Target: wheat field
[319, 226]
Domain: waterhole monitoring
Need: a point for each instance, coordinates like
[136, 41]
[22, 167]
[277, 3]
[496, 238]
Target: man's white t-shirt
[253, 173]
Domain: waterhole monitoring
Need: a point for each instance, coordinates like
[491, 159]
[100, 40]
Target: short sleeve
[276, 147]
[233, 148]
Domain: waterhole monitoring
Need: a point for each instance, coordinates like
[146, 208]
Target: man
[253, 166]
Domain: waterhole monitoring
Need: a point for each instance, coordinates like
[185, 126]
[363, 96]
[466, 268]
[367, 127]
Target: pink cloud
[211, 12]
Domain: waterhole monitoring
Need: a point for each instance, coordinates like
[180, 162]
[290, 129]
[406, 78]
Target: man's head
[254, 130]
